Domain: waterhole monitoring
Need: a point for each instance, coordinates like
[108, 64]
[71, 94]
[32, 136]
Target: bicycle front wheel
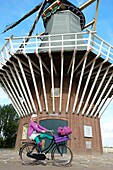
[62, 155]
[25, 151]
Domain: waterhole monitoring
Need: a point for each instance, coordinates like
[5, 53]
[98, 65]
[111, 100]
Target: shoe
[43, 143]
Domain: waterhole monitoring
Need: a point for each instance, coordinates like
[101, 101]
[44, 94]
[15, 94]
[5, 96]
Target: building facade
[65, 76]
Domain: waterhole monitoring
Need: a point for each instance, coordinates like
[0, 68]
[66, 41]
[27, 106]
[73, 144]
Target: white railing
[80, 41]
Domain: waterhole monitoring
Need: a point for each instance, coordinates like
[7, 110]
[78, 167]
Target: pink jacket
[35, 126]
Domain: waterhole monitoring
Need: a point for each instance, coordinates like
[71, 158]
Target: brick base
[78, 143]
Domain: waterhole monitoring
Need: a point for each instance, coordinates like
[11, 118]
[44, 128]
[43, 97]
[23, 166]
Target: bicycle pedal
[48, 159]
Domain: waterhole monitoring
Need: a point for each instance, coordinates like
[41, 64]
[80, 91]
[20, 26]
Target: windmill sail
[23, 18]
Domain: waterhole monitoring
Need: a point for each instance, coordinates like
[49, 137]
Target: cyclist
[37, 132]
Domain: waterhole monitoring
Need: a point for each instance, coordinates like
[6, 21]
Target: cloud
[4, 99]
[108, 125]
[107, 142]
[106, 122]
[107, 133]
[107, 104]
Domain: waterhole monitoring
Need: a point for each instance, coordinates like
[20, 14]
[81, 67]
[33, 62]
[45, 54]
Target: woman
[37, 132]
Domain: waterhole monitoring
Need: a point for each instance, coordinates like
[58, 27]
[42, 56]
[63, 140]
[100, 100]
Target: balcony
[65, 42]
[83, 58]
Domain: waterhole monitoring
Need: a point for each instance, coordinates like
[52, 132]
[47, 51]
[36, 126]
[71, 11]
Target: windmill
[59, 5]
[60, 73]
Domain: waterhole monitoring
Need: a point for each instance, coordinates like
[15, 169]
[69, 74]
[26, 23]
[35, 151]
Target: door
[52, 124]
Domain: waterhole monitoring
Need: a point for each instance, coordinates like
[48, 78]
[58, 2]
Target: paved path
[9, 159]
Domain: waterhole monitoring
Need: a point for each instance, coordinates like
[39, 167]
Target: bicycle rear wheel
[28, 148]
[62, 155]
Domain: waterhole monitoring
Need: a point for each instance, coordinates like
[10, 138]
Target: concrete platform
[9, 159]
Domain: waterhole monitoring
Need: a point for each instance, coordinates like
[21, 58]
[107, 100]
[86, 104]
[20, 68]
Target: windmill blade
[37, 17]
[96, 14]
[86, 4]
[24, 17]
[35, 22]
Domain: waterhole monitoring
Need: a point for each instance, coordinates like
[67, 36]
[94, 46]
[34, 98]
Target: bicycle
[61, 154]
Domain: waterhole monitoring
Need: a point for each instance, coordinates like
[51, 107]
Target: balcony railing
[83, 40]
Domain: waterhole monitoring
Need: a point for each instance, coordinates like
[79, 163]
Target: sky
[12, 10]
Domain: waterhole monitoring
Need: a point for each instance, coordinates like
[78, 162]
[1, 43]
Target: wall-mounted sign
[88, 144]
[56, 92]
[88, 131]
[24, 133]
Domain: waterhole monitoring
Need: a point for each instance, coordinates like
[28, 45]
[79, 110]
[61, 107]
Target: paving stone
[104, 161]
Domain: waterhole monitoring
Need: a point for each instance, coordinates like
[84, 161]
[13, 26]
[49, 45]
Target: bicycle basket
[59, 139]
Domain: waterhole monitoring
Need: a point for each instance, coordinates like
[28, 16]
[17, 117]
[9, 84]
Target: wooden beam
[61, 81]
[71, 80]
[35, 84]
[52, 80]
[22, 86]
[100, 97]
[90, 23]
[106, 107]
[86, 86]
[15, 104]
[86, 4]
[96, 15]
[92, 88]
[97, 92]
[80, 81]
[43, 81]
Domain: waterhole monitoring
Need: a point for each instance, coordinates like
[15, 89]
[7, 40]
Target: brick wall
[78, 143]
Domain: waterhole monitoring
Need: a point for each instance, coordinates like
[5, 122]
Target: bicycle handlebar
[51, 131]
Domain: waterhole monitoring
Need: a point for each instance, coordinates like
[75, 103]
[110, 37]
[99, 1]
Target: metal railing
[57, 42]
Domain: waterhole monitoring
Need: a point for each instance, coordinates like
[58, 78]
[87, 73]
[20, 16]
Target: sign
[88, 144]
[56, 92]
[24, 133]
[88, 131]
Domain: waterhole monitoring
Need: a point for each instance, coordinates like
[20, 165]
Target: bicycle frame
[50, 146]
[56, 148]
[46, 150]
